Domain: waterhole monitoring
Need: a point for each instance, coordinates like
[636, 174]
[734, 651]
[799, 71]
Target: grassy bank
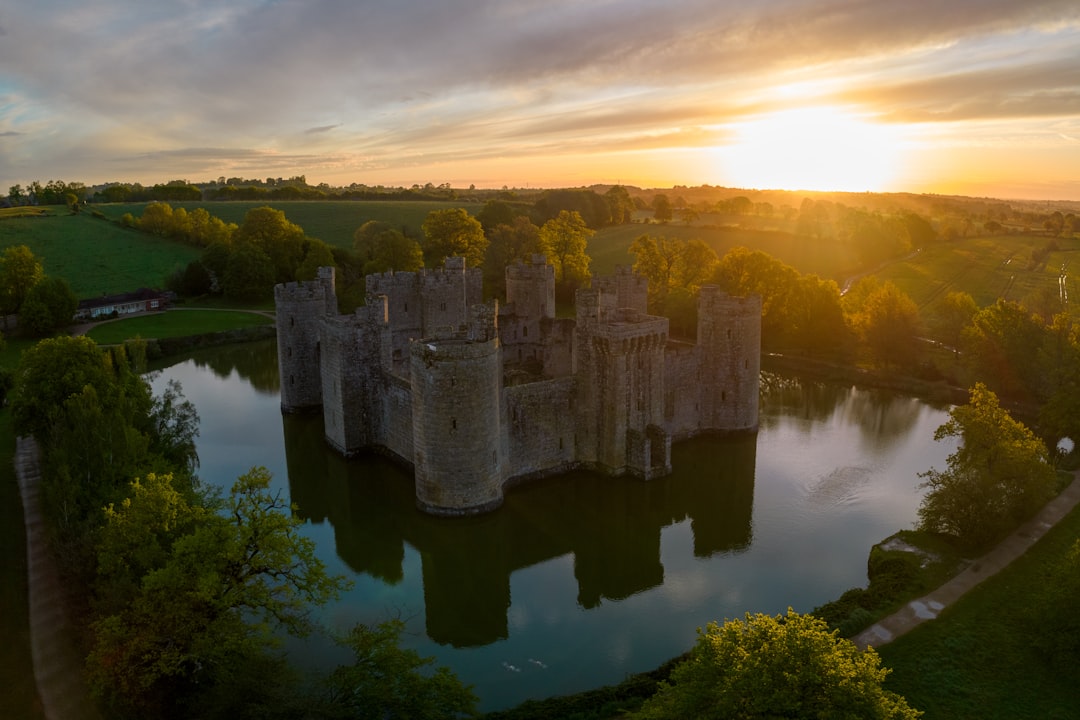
[978, 658]
[175, 323]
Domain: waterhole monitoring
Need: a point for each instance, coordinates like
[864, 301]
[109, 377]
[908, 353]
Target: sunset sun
[812, 149]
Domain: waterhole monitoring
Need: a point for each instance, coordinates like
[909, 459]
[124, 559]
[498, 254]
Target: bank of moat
[476, 395]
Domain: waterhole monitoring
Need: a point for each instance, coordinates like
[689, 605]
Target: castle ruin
[475, 396]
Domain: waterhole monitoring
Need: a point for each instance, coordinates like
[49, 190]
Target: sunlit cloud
[383, 92]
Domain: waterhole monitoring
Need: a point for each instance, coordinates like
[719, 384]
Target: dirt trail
[57, 665]
[928, 606]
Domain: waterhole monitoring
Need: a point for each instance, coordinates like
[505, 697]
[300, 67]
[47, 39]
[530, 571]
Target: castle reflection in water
[611, 525]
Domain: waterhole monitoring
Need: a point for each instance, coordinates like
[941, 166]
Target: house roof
[140, 295]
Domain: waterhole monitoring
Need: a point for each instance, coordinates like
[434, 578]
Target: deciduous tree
[20, 270]
[214, 584]
[998, 476]
[49, 306]
[765, 667]
[453, 232]
[564, 239]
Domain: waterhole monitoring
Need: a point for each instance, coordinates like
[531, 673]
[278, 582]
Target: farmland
[331, 222]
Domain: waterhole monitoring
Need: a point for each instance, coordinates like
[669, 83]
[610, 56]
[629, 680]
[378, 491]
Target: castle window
[288, 352]
[560, 443]
[453, 423]
[292, 321]
[723, 396]
[442, 306]
[746, 364]
[729, 333]
[406, 307]
[525, 331]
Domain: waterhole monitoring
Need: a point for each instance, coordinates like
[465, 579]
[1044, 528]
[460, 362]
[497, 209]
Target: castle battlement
[475, 396]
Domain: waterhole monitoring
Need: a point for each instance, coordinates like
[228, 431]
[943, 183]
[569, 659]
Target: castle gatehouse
[477, 395]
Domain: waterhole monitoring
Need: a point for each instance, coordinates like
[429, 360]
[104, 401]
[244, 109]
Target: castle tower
[629, 289]
[729, 339]
[300, 309]
[620, 372]
[459, 449]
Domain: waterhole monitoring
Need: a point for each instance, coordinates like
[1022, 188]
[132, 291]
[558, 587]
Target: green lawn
[96, 257]
[977, 660]
[174, 323]
[333, 222]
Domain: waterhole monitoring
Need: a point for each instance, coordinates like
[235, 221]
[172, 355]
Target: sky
[968, 97]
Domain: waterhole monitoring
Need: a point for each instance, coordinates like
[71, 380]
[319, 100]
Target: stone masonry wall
[540, 425]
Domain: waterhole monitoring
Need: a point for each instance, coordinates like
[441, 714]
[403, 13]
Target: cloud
[321, 129]
[10, 133]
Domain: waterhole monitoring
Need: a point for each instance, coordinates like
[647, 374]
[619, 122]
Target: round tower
[458, 450]
[300, 308]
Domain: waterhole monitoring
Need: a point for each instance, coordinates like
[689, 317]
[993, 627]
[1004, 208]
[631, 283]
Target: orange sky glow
[974, 97]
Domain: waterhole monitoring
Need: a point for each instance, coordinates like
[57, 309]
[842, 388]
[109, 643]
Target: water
[579, 580]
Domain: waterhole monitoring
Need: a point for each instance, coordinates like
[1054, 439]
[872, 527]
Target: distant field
[987, 268]
[825, 258]
[174, 323]
[333, 222]
[95, 257]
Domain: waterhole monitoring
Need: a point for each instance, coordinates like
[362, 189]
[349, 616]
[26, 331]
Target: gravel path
[928, 606]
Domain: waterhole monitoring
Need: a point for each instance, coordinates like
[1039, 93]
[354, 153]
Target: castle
[475, 396]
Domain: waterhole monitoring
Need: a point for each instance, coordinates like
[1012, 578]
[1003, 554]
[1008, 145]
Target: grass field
[987, 268]
[977, 659]
[94, 256]
[333, 222]
[174, 323]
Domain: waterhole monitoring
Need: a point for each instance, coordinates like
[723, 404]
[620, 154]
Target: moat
[580, 579]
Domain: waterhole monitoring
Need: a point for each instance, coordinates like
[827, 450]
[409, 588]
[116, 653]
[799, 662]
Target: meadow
[96, 257]
[333, 222]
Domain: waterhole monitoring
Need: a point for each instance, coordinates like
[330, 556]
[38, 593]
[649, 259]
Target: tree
[318, 255]
[48, 374]
[386, 681]
[564, 239]
[249, 273]
[16, 195]
[207, 585]
[661, 208]
[20, 270]
[49, 306]
[381, 247]
[817, 323]
[453, 232]
[997, 478]
[743, 272]
[671, 264]
[282, 241]
[495, 213]
[1000, 345]
[787, 666]
[508, 244]
[889, 325]
[954, 313]
[620, 205]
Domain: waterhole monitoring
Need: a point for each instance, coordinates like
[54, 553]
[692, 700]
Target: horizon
[969, 99]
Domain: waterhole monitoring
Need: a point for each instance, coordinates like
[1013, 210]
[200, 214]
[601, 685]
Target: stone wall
[301, 306]
[540, 425]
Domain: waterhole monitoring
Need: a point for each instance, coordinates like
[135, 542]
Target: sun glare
[812, 149]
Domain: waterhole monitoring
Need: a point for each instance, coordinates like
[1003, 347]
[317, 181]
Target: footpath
[58, 668]
[929, 606]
